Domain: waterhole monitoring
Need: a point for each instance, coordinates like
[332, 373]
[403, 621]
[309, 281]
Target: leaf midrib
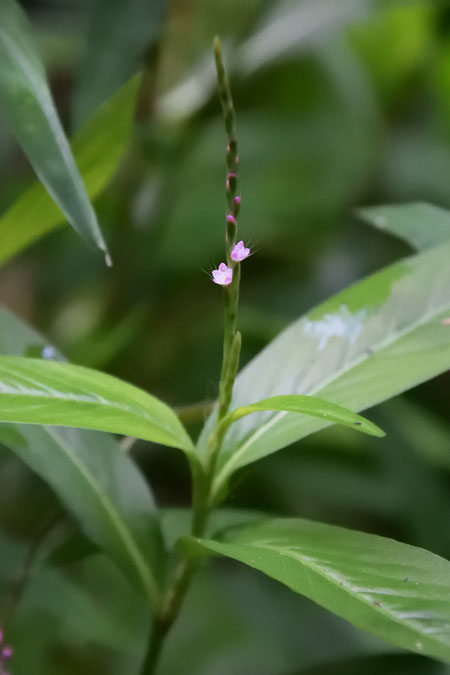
[299, 558]
[88, 398]
[113, 516]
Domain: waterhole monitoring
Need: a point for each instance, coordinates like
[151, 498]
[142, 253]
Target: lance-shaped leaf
[35, 391]
[98, 148]
[397, 592]
[306, 405]
[370, 342]
[421, 225]
[28, 107]
[97, 482]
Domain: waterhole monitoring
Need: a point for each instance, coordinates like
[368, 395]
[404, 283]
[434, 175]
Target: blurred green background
[340, 104]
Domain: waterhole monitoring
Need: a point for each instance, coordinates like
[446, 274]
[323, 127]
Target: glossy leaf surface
[421, 225]
[36, 391]
[370, 342]
[28, 107]
[97, 148]
[397, 592]
[308, 405]
[93, 477]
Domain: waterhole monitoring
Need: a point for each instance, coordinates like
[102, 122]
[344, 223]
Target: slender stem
[203, 476]
[25, 571]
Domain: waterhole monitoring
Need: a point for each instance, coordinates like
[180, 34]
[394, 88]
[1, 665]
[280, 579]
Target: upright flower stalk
[226, 275]
[235, 253]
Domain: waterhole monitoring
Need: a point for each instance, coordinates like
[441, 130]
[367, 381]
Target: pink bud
[223, 276]
[7, 653]
[237, 200]
[231, 219]
[240, 252]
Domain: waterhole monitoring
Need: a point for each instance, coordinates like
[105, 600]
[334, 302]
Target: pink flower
[223, 276]
[240, 252]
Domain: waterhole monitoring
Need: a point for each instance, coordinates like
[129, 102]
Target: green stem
[203, 476]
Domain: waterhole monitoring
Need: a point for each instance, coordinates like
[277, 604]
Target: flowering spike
[240, 252]
[223, 276]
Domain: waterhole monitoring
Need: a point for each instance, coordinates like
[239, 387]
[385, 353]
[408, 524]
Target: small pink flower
[231, 219]
[223, 276]
[240, 252]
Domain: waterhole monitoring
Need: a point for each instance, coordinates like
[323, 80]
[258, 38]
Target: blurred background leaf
[119, 35]
[28, 107]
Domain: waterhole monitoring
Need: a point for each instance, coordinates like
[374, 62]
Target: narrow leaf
[94, 479]
[97, 147]
[28, 107]
[421, 225]
[311, 406]
[34, 391]
[397, 592]
[370, 342]
[119, 35]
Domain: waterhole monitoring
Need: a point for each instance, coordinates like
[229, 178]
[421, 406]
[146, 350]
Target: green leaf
[36, 391]
[94, 479]
[118, 36]
[397, 592]
[421, 225]
[368, 343]
[307, 405]
[97, 148]
[27, 104]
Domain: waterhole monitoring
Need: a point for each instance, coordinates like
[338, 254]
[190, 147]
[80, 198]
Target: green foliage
[310, 406]
[337, 105]
[119, 34]
[93, 478]
[35, 391]
[351, 358]
[28, 106]
[420, 225]
[393, 590]
[97, 148]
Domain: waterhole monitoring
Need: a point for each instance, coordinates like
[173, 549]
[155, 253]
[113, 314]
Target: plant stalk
[203, 476]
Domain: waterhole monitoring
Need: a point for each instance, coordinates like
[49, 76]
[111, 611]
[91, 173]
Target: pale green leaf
[97, 147]
[397, 592]
[307, 405]
[28, 107]
[36, 391]
[94, 479]
[421, 225]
